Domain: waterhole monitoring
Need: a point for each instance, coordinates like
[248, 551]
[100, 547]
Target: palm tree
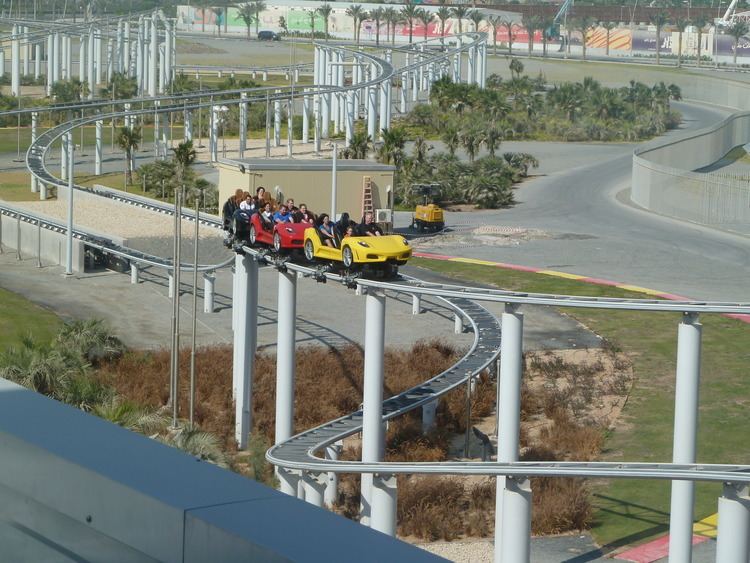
[325, 12]
[258, 7]
[681, 24]
[509, 25]
[460, 12]
[495, 22]
[476, 18]
[516, 68]
[130, 415]
[392, 149]
[377, 16]
[737, 29]
[410, 12]
[91, 340]
[247, 15]
[184, 156]
[425, 17]
[391, 18]
[492, 137]
[451, 139]
[531, 24]
[357, 13]
[609, 26]
[443, 14]
[312, 25]
[471, 139]
[583, 24]
[659, 20]
[360, 145]
[700, 23]
[202, 445]
[128, 140]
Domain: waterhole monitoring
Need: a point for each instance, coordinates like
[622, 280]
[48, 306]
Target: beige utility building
[360, 184]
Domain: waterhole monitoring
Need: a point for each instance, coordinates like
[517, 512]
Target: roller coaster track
[303, 452]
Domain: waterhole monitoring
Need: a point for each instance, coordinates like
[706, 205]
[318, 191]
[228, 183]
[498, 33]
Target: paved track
[596, 233]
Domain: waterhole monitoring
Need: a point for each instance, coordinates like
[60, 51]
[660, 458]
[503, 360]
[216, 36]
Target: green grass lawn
[628, 511]
[20, 317]
[16, 186]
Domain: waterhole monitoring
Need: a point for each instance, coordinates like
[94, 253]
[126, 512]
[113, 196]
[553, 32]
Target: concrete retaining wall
[662, 180]
[33, 239]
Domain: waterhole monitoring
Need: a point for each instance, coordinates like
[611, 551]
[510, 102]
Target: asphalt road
[593, 232]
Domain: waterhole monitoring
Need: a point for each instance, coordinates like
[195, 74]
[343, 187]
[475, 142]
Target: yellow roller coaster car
[385, 251]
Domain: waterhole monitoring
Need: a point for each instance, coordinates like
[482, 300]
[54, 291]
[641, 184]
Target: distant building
[309, 181]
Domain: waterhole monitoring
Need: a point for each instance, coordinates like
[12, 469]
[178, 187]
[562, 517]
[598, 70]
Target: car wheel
[309, 251]
[251, 237]
[347, 257]
[277, 242]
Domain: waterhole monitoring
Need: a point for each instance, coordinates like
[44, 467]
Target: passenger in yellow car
[327, 230]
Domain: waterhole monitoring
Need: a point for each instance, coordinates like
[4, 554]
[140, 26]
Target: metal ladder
[367, 195]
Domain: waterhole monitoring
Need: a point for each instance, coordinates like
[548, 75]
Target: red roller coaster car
[281, 236]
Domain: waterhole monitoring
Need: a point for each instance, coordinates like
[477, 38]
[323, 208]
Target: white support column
[134, 271]
[508, 417]
[428, 416]
[90, 64]
[110, 60]
[153, 57]
[82, 51]
[69, 56]
[26, 51]
[416, 304]
[126, 49]
[161, 69]
[209, 283]
[213, 141]
[167, 54]
[37, 61]
[372, 410]
[98, 148]
[117, 65]
[243, 124]
[733, 537]
[404, 86]
[288, 481]
[306, 117]
[458, 323]
[15, 63]
[314, 487]
[383, 109]
[388, 93]
[349, 118]
[332, 485]
[685, 436]
[372, 111]
[69, 233]
[384, 496]
[459, 57]
[34, 120]
[64, 157]
[289, 128]
[285, 355]
[245, 340]
[483, 67]
[277, 122]
[188, 126]
[139, 68]
[516, 523]
[414, 87]
[98, 56]
[471, 68]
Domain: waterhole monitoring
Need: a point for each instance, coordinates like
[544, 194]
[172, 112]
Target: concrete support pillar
[34, 121]
[37, 61]
[277, 122]
[404, 87]
[733, 537]
[289, 128]
[243, 124]
[167, 54]
[139, 68]
[306, 118]
[2, 62]
[90, 64]
[471, 69]
[685, 436]
[383, 123]
[42, 191]
[126, 49]
[428, 416]
[153, 57]
[209, 283]
[288, 481]
[388, 93]
[15, 63]
[213, 141]
[372, 427]
[414, 87]
[98, 148]
[82, 51]
[314, 488]
[317, 99]
[516, 523]
[134, 271]
[285, 355]
[170, 285]
[384, 496]
[26, 51]
[508, 420]
[349, 118]
[459, 57]
[69, 56]
[188, 126]
[245, 340]
[64, 157]
[69, 233]
[98, 57]
[458, 323]
[110, 61]
[372, 111]
[332, 484]
[416, 304]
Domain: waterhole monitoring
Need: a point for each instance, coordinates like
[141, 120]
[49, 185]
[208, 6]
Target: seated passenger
[327, 231]
[343, 224]
[230, 206]
[349, 232]
[290, 205]
[282, 215]
[266, 217]
[303, 215]
[368, 227]
[247, 203]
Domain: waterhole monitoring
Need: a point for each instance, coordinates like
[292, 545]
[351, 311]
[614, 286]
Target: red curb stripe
[653, 550]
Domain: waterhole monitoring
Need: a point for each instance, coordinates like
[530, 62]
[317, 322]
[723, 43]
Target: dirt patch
[193, 48]
[487, 235]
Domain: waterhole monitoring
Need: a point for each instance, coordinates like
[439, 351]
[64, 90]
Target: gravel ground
[143, 230]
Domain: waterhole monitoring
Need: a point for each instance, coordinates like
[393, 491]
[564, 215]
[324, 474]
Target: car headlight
[363, 243]
[288, 230]
[406, 242]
